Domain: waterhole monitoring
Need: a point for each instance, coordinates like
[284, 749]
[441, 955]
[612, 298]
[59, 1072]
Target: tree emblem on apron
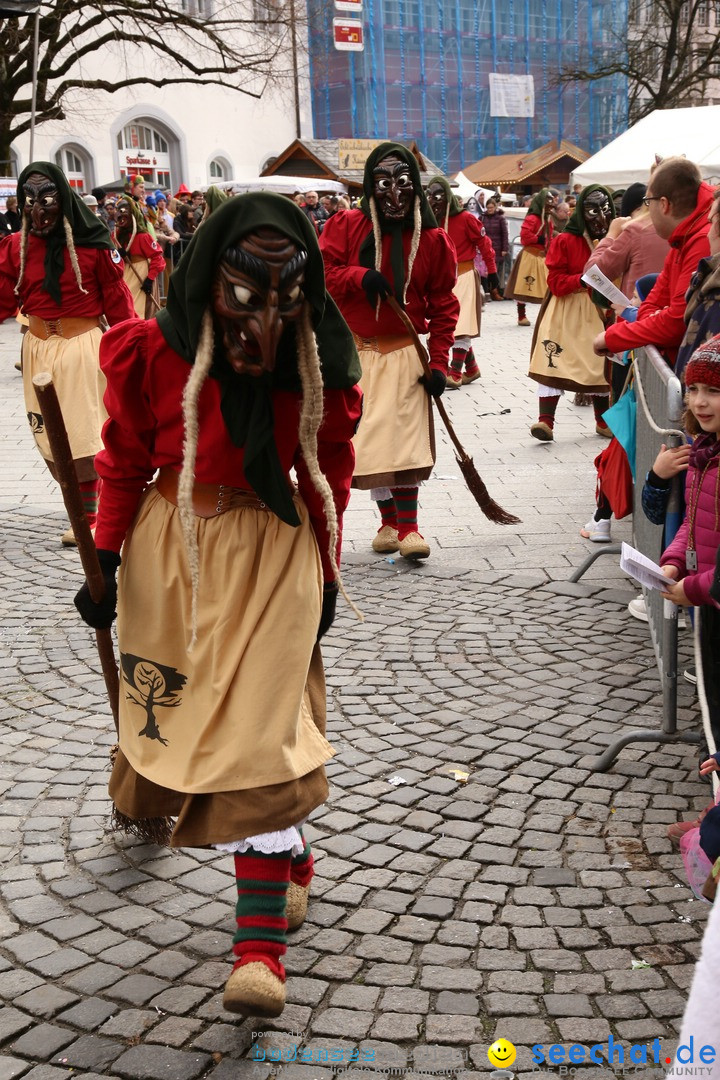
[529, 280]
[551, 349]
[37, 425]
[152, 686]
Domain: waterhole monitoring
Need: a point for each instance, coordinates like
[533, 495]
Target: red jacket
[143, 244]
[565, 261]
[536, 233]
[469, 236]
[145, 382]
[102, 277]
[431, 304]
[660, 318]
[701, 501]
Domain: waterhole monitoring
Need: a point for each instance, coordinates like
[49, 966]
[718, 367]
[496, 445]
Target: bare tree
[668, 55]
[241, 45]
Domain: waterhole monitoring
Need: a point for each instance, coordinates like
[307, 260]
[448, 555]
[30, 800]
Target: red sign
[348, 35]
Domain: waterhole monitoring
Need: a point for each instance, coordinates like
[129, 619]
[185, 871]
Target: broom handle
[70, 489]
[422, 354]
[142, 282]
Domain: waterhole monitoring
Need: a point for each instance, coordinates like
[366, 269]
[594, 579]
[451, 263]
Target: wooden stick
[492, 510]
[70, 489]
[148, 296]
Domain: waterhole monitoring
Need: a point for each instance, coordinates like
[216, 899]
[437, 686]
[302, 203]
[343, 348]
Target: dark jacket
[495, 226]
[702, 314]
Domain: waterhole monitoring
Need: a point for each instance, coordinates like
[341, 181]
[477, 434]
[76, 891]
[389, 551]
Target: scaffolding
[424, 74]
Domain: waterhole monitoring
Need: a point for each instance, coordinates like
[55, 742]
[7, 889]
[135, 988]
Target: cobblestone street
[533, 900]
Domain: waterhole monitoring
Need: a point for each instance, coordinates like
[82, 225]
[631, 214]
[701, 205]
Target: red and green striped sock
[406, 502]
[388, 513]
[471, 365]
[547, 407]
[301, 867]
[90, 492]
[262, 882]
[457, 360]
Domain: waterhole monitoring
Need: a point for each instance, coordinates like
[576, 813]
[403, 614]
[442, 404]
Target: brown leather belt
[463, 267]
[65, 328]
[209, 500]
[386, 344]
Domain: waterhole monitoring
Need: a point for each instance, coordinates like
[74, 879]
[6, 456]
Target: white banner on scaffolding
[511, 95]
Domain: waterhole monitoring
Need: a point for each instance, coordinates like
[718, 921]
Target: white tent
[690, 133]
[283, 185]
[466, 189]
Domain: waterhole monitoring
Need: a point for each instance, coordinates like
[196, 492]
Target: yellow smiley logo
[502, 1053]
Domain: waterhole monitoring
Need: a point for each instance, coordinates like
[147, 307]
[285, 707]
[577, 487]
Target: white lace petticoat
[269, 843]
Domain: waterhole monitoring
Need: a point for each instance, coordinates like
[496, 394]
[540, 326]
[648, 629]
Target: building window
[143, 150]
[197, 9]
[702, 13]
[74, 167]
[216, 170]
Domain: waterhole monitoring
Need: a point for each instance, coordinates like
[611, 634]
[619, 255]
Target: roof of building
[519, 168]
[319, 159]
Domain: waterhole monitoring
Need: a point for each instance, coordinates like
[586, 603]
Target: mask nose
[267, 325]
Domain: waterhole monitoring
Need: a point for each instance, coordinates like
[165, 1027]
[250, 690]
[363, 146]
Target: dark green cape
[246, 400]
[537, 206]
[394, 228]
[576, 221]
[87, 229]
[453, 201]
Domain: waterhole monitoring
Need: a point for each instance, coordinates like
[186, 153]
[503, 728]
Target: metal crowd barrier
[659, 411]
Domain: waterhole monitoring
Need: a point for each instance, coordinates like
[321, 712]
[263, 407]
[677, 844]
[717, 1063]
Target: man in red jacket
[679, 202]
[392, 246]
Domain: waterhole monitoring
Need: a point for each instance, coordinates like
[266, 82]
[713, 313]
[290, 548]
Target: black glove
[327, 615]
[493, 281]
[147, 286]
[100, 616]
[376, 287]
[435, 385]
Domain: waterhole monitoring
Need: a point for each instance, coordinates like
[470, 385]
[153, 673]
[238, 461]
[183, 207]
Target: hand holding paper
[644, 570]
[597, 280]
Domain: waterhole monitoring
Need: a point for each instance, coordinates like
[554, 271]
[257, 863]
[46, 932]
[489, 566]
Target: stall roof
[691, 133]
[282, 185]
[518, 170]
[315, 160]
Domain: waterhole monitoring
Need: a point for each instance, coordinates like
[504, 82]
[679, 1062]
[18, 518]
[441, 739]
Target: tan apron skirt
[562, 350]
[469, 293]
[236, 714]
[528, 277]
[80, 385]
[135, 274]
[395, 440]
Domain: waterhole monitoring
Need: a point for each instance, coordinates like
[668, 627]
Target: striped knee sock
[547, 407]
[458, 359]
[262, 882]
[90, 491]
[388, 513]
[406, 501]
[471, 364]
[301, 867]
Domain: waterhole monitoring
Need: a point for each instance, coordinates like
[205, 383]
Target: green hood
[87, 229]
[136, 212]
[455, 206]
[537, 206]
[246, 400]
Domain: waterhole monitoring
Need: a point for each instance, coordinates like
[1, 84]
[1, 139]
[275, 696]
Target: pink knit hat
[704, 364]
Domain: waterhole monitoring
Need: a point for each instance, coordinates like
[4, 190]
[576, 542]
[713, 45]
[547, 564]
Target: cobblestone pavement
[445, 913]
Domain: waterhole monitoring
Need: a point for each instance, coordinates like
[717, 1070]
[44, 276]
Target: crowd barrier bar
[660, 406]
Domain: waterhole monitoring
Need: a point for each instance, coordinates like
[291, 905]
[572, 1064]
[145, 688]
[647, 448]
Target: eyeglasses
[652, 198]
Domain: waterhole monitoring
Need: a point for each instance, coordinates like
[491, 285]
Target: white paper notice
[644, 570]
[604, 285]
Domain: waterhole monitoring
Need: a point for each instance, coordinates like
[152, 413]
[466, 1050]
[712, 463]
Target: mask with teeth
[257, 291]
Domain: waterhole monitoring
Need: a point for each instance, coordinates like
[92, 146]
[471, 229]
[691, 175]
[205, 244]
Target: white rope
[646, 409]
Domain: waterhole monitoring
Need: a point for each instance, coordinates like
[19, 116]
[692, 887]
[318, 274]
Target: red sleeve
[560, 281]
[152, 252]
[336, 457]
[532, 230]
[125, 464]
[116, 297]
[9, 271]
[660, 318]
[442, 307]
[483, 242]
[343, 281]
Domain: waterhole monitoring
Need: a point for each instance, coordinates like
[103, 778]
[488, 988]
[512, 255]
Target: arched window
[143, 150]
[219, 169]
[76, 165]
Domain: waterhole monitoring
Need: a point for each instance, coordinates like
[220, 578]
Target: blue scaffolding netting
[424, 74]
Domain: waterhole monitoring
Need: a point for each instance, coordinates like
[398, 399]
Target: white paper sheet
[644, 570]
[604, 285]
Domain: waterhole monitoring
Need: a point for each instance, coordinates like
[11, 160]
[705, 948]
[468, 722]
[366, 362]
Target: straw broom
[472, 477]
